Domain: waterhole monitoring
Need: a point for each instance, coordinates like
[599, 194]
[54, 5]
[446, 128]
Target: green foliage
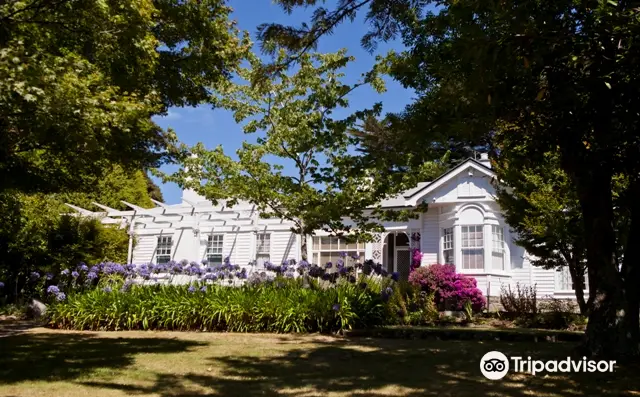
[36, 235]
[292, 117]
[560, 76]
[522, 301]
[554, 314]
[408, 305]
[115, 185]
[468, 310]
[281, 306]
[80, 81]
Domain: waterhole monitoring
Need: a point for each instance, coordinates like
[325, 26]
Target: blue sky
[217, 127]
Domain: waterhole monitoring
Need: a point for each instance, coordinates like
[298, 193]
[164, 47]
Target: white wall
[430, 237]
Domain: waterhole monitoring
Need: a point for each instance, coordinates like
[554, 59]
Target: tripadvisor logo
[495, 365]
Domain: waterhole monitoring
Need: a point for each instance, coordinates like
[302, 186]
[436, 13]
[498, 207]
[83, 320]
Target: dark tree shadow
[365, 367]
[62, 356]
[15, 327]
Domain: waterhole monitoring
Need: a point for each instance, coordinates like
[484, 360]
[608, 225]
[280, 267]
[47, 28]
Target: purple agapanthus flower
[386, 293]
[329, 265]
[61, 296]
[75, 274]
[83, 267]
[191, 289]
[1, 284]
[52, 289]
[203, 289]
[107, 289]
[65, 272]
[91, 276]
[49, 276]
[127, 285]
[395, 276]
[336, 307]
[35, 275]
[355, 256]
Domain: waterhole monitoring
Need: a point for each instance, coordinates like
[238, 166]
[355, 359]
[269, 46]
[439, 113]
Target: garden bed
[468, 333]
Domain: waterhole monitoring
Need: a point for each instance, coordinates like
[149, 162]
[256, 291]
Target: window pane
[498, 261]
[261, 259]
[214, 259]
[473, 259]
[448, 257]
[350, 246]
[263, 243]
[325, 243]
[327, 257]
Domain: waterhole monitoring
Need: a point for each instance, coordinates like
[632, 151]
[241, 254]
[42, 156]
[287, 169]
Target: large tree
[80, 80]
[541, 206]
[37, 235]
[566, 74]
[303, 166]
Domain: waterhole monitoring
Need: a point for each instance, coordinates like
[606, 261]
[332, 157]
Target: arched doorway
[397, 254]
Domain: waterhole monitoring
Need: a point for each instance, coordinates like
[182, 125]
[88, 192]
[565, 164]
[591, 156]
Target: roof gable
[412, 197]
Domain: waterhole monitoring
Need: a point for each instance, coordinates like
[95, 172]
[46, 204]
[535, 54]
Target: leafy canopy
[565, 73]
[80, 80]
[294, 118]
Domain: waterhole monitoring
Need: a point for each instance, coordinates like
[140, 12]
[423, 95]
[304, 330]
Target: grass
[42, 362]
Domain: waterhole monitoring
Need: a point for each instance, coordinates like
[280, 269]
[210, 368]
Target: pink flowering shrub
[448, 287]
[416, 259]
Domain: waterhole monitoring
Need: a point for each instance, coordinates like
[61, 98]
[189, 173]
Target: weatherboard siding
[430, 237]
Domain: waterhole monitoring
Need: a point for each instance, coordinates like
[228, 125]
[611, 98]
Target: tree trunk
[577, 278]
[303, 247]
[603, 336]
[631, 274]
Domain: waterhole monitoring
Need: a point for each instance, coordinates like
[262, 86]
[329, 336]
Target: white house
[463, 225]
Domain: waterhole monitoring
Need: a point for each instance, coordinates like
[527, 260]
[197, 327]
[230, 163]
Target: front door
[402, 262]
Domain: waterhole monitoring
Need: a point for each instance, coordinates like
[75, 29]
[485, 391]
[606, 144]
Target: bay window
[472, 247]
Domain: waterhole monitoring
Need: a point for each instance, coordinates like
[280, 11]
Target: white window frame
[215, 246]
[263, 247]
[164, 249]
[448, 245]
[497, 247]
[564, 283]
[470, 245]
[341, 246]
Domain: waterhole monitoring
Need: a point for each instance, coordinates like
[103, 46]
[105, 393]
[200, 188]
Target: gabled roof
[409, 198]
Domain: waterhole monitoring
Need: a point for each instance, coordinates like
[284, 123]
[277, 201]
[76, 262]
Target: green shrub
[555, 314]
[280, 306]
[408, 305]
[521, 302]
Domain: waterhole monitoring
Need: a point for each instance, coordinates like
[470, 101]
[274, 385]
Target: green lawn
[42, 362]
